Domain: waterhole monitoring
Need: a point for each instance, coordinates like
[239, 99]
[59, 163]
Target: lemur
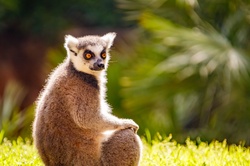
[72, 114]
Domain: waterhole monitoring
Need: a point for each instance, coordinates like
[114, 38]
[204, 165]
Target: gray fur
[90, 40]
[72, 114]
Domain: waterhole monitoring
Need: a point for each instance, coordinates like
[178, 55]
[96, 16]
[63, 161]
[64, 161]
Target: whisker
[113, 61]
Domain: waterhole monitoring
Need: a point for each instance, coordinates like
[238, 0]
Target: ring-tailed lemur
[72, 114]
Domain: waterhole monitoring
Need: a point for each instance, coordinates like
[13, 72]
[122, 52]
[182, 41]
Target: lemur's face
[89, 54]
[95, 57]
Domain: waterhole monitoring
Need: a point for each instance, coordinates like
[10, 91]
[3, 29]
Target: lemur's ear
[109, 38]
[70, 42]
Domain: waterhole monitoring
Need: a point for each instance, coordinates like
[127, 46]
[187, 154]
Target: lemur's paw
[130, 124]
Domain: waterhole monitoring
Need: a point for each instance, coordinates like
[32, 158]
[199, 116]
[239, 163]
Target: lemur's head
[89, 54]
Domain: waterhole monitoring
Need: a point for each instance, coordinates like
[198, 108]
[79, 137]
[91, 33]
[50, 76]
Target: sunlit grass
[18, 152]
[169, 152]
[155, 153]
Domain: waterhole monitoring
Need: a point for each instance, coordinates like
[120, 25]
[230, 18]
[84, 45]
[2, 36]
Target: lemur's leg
[123, 148]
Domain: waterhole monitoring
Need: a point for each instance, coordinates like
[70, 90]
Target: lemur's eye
[103, 55]
[88, 55]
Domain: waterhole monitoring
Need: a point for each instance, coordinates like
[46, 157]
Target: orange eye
[103, 55]
[88, 56]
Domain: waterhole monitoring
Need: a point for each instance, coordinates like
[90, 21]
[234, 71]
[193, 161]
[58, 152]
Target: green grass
[18, 153]
[157, 153]
[216, 153]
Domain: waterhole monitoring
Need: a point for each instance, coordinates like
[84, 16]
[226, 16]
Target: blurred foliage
[190, 72]
[47, 19]
[14, 122]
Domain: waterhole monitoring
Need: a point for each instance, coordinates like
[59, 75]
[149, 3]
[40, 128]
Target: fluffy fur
[72, 114]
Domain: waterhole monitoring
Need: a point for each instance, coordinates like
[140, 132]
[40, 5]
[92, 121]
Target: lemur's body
[72, 113]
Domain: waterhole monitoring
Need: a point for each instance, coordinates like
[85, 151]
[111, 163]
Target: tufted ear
[109, 38]
[70, 42]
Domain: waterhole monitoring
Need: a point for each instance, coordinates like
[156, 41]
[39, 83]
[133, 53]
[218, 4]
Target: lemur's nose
[101, 65]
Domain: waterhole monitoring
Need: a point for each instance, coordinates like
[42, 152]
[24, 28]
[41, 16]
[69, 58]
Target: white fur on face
[84, 65]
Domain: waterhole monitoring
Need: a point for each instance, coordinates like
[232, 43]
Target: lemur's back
[55, 130]
[64, 86]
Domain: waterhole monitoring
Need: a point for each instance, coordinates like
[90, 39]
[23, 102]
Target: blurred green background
[178, 66]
